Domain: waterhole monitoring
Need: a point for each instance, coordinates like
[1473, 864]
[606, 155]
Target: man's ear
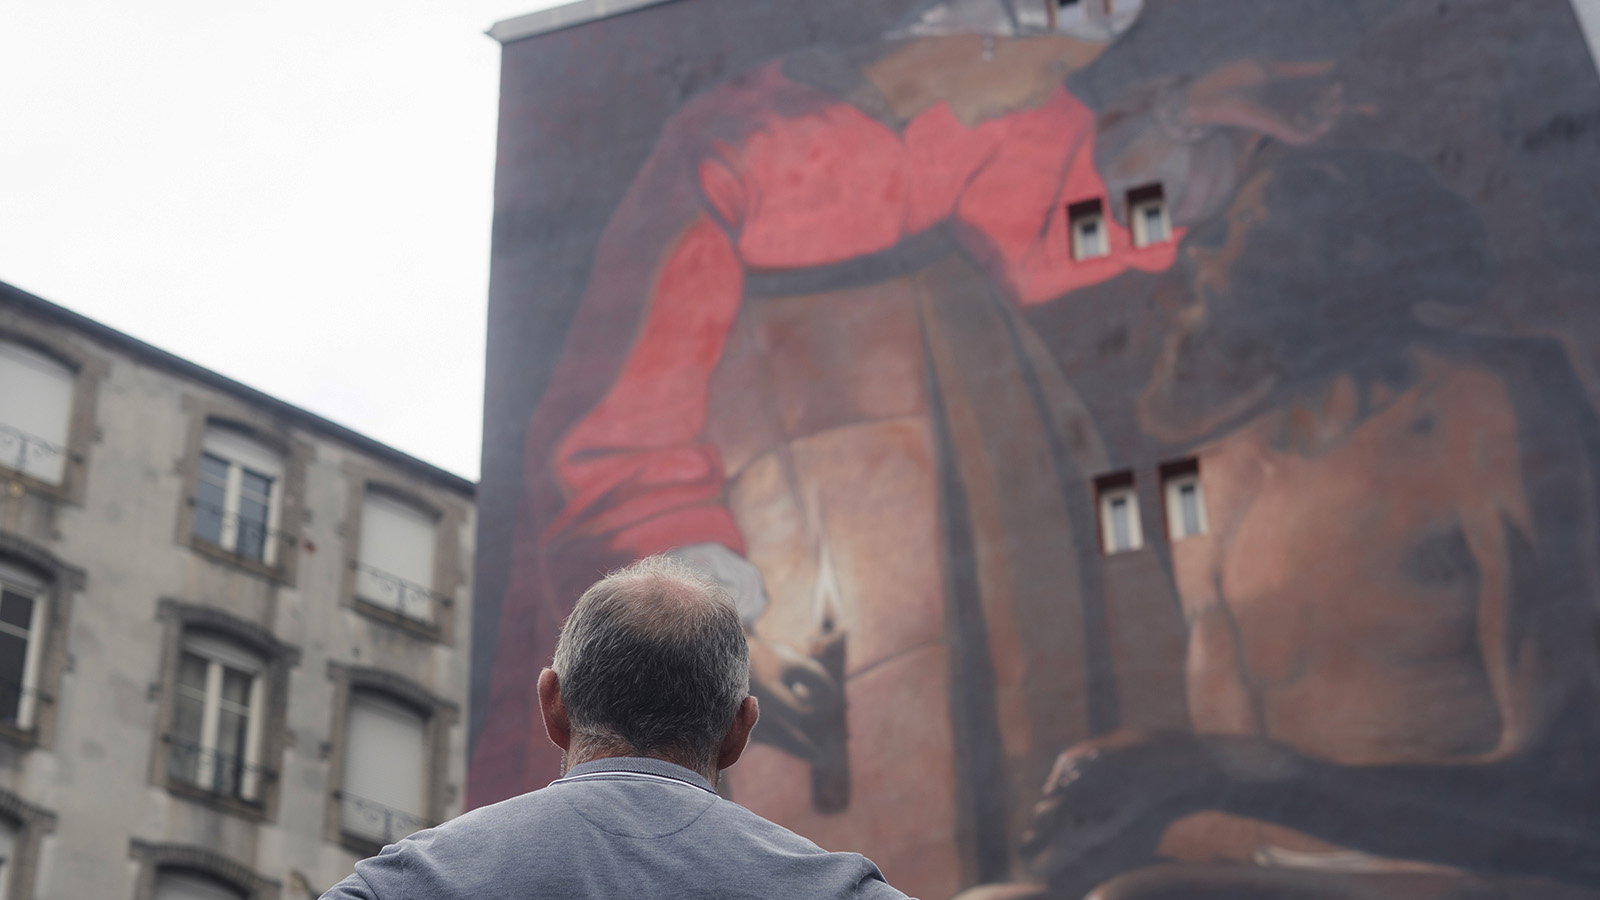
[738, 736]
[554, 712]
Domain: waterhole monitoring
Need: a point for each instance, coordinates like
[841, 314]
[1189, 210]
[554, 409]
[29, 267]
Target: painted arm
[638, 469]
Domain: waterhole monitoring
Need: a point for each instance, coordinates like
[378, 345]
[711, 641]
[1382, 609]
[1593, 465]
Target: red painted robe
[760, 174]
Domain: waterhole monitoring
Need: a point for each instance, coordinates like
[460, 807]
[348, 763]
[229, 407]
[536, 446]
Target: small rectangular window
[1185, 499]
[1087, 222]
[35, 412]
[385, 769]
[1147, 213]
[237, 495]
[394, 560]
[216, 724]
[1118, 503]
[21, 626]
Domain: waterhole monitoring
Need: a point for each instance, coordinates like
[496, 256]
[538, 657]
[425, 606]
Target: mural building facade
[1153, 445]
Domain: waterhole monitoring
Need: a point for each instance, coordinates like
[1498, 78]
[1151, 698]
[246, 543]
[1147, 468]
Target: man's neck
[587, 751]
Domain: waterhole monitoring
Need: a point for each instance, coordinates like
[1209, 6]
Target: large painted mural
[1152, 444]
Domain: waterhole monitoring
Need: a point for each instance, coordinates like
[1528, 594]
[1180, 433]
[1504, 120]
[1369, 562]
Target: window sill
[274, 573]
[56, 492]
[425, 630]
[248, 810]
[24, 738]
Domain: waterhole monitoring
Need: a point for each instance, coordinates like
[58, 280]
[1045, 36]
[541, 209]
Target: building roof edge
[148, 353]
[567, 15]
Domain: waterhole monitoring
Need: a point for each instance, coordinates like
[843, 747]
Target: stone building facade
[233, 635]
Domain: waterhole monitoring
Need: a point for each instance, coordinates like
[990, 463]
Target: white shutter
[36, 399]
[185, 886]
[397, 539]
[385, 761]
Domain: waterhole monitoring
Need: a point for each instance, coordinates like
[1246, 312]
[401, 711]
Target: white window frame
[242, 454]
[220, 653]
[1089, 212]
[1174, 486]
[1137, 216]
[1108, 498]
[20, 582]
[55, 445]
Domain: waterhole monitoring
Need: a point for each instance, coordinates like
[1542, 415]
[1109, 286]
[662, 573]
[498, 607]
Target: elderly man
[649, 701]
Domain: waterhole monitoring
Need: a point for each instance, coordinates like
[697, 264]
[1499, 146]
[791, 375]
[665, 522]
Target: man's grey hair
[654, 656]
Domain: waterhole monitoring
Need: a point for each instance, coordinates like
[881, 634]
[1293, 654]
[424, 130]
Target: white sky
[294, 193]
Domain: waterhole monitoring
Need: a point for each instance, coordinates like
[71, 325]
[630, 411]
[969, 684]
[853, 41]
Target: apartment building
[234, 635]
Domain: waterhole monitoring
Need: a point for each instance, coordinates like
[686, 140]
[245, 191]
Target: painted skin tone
[1411, 679]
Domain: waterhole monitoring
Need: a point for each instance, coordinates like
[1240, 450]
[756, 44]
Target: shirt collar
[639, 765]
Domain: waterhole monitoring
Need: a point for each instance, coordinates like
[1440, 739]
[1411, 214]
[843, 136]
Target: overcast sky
[295, 193]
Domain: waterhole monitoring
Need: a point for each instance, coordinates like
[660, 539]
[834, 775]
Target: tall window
[1186, 504]
[394, 563]
[1120, 531]
[238, 495]
[1087, 223]
[35, 412]
[385, 769]
[22, 603]
[1147, 212]
[216, 726]
[177, 884]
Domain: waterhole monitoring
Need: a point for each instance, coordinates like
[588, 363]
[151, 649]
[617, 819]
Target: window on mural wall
[22, 618]
[394, 563]
[1147, 214]
[35, 412]
[1087, 224]
[238, 494]
[1185, 499]
[217, 714]
[1118, 505]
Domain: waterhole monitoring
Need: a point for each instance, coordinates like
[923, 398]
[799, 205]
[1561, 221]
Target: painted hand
[1108, 801]
[735, 573]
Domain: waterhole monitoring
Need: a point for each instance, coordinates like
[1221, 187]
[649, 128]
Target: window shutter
[36, 399]
[397, 539]
[385, 764]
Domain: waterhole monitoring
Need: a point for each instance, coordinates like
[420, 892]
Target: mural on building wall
[1151, 445]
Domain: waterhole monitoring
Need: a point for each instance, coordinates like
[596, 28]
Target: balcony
[391, 592]
[212, 772]
[370, 821]
[30, 455]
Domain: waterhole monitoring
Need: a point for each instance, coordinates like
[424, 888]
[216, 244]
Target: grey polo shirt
[612, 828]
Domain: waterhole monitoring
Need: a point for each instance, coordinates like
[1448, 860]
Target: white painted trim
[567, 15]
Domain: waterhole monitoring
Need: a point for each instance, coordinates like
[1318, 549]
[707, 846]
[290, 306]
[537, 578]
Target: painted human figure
[1392, 667]
[825, 258]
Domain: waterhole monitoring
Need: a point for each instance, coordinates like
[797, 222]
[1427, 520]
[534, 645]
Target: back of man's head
[653, 657]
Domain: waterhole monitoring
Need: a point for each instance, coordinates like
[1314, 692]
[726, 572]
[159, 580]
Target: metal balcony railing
[15, 698]
[214, 771]
[373, 821]
[250, 536]
[30, 454]
[389, 590]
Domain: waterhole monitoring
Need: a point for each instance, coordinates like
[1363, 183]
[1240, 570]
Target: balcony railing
[373, 821]
[215, 772]
[250, 536]
[390, 591]
[17, 703]
[30, 454]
